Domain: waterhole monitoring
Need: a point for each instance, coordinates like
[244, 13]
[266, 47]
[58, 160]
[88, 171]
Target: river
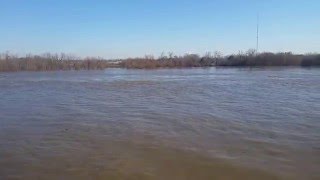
[199, 123]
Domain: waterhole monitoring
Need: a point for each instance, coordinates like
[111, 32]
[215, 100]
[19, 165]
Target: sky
[131, 28]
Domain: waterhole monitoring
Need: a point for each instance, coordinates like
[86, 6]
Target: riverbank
[54, 62]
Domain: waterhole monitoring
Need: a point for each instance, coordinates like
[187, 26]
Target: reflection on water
[161, 124]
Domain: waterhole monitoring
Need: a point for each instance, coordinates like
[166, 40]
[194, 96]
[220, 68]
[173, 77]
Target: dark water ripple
[267, 118]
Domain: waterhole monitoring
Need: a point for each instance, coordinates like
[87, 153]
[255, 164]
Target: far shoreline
[63, 62]
[166, 68]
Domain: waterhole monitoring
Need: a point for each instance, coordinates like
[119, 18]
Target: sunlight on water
[215, 123]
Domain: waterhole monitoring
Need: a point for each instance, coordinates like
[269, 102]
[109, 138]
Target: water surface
[221, 123]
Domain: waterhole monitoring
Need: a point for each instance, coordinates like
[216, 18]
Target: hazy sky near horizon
[123, 28]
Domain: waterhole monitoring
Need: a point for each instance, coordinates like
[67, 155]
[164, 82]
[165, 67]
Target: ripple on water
[181, 123]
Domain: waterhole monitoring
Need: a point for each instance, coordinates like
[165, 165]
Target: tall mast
[257, 45]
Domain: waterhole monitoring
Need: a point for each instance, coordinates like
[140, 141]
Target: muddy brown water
[212, 123]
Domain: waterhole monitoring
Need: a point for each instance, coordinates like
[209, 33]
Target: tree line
[50, 62]
[62, 61]
[249, 58]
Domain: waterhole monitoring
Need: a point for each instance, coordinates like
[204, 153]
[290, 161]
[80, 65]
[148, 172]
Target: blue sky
[119, 28]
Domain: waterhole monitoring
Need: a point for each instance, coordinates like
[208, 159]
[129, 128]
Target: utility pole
[257, 45]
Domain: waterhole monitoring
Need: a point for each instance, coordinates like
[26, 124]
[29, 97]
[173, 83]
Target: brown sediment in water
[163, 124]
[124, 160]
